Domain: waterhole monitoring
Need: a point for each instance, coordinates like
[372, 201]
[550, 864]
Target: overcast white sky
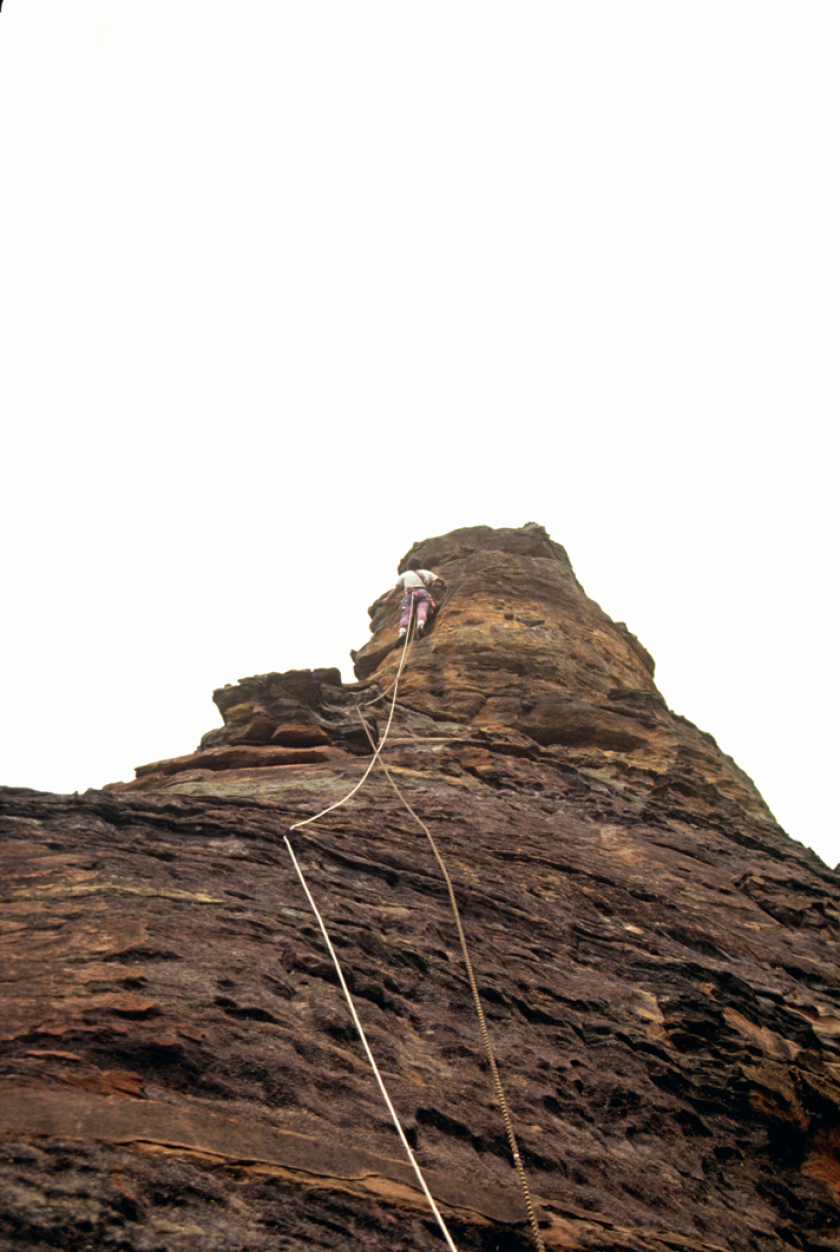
[285, 287]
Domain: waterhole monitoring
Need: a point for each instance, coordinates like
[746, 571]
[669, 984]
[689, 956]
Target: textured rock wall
[657, 960]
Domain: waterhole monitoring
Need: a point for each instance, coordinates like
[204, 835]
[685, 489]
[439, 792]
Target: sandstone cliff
[657, 961]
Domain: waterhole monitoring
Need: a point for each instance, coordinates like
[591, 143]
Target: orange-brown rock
[658, 962]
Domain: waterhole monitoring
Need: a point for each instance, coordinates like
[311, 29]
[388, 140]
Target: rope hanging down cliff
[337, 964]
[482, 1021]
[497, 1084]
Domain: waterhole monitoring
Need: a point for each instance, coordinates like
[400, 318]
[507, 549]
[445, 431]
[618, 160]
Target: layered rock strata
[656, 957]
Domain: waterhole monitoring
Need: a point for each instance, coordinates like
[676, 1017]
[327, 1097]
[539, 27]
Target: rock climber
[415, 585]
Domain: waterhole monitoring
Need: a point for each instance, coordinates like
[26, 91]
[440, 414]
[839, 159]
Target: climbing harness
[497, 1084]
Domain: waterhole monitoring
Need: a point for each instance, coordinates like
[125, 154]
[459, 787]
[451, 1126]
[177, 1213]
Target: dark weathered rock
[301, 708]
[657, 959]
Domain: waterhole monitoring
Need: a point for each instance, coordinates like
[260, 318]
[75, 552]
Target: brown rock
[301, 708]
[243, 757]
[658, 963]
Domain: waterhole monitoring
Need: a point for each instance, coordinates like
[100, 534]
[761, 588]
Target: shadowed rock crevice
[657, 959]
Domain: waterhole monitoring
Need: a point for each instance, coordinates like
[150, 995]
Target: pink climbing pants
[422, 602]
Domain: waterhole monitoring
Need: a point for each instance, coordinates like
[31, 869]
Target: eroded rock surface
[658, 961]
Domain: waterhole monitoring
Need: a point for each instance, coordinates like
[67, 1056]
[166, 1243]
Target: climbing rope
[447, 596]
[360, 1029]
[482, 1021]
[336, 963]
[376, 751]
[488, 1047]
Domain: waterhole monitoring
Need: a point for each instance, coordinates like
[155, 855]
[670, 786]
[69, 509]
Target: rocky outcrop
[656, 957]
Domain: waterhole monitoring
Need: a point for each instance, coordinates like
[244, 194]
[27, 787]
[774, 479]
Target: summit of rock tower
[516, 653]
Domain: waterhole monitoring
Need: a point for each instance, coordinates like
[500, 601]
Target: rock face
[657, 959]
